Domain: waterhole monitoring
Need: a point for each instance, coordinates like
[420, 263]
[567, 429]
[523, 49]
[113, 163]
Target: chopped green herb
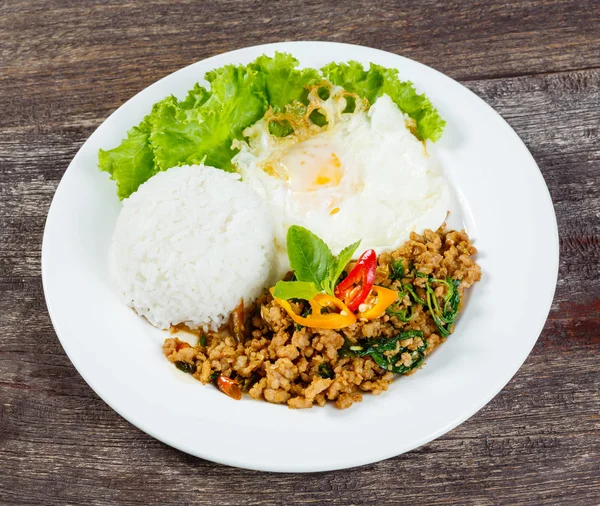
[202, 340]
[185, 367]
[325, 371]
[249, 382]
[387, 353]
[443, 316]
[416, 298]
[346, 349]
[304, 315]
[401, 314]
[397, 270]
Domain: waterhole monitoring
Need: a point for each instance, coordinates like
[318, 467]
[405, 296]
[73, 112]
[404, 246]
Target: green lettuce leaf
[376, 81]
[354, 78]
[184, 134]
[197, 96]
[283, 83]
[132, 162]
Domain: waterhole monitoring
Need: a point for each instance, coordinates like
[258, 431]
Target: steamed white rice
[189, 244]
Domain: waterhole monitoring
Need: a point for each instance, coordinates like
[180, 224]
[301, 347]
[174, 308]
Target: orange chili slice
[318, 320]
[385, 298]
[229, 387]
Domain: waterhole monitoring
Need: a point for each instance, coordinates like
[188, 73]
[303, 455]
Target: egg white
[367, 177]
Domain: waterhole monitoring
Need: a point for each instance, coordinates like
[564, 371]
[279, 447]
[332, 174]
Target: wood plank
[109, 461]
[53, 51]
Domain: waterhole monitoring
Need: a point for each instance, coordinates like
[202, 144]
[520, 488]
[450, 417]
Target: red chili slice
[356, 287]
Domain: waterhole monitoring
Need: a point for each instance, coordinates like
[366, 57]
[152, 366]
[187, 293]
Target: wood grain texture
[65, 66]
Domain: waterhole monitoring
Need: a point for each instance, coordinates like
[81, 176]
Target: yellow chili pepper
[385, 298]
[317, 320]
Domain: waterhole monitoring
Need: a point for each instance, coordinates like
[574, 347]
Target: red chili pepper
[356, 287]
[229, 387]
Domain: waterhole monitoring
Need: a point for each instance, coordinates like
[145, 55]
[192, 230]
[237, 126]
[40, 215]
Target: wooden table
[65, 66]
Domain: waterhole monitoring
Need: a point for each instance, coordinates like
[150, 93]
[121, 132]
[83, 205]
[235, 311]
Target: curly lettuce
[283, 83]
[132, 162]
[377, 81]
[202, 127]
[203, 134]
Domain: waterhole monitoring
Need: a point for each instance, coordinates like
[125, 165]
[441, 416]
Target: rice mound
[189, 244]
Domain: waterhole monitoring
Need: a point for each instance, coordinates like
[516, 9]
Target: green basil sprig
[315, 268]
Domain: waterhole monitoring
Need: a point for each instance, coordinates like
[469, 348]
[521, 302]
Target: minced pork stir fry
[333, 332]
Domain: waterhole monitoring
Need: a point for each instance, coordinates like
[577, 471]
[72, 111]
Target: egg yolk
[312, 165]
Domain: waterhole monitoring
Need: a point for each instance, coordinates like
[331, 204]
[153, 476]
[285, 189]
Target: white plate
[502, 200]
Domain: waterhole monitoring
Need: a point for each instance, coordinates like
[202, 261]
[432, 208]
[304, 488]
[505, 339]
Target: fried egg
[366, 176]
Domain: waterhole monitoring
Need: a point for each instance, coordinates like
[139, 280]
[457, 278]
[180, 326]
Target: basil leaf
[309, 256]
[397, 270]
[337, 266]
[443, 317]
[387, 355]
[295, 290]
[325, 371]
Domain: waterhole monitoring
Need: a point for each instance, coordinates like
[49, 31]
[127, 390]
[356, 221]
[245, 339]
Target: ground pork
[283, 363]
